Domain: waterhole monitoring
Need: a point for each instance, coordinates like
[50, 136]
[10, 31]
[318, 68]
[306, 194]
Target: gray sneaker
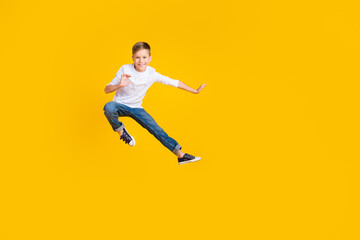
[127, 138]
[187, 158]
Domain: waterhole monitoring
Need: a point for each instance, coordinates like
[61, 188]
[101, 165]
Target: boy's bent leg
[112, 111]
[146, 121]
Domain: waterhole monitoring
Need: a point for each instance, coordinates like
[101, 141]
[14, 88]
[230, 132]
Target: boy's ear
[150, 58]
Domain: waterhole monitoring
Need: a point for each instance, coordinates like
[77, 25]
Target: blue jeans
[113, 110]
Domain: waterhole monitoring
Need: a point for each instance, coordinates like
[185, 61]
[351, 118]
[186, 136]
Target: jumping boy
[131, 83]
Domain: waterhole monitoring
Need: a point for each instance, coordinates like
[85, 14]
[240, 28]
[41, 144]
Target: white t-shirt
[133, 94]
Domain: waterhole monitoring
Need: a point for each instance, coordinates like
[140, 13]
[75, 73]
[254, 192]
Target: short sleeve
[117, 78]
[165, 80]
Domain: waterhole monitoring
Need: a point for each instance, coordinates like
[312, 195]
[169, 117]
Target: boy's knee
[109, 107]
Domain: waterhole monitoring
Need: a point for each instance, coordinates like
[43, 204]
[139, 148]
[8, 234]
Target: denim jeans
[113, 110]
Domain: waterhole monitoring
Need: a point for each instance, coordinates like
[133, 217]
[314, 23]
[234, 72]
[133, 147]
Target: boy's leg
[146, 121]
[112, 111]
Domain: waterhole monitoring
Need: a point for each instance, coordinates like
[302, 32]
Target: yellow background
[277, 127]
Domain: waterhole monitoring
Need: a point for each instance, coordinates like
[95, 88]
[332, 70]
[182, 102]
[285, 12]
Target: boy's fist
[125, 80]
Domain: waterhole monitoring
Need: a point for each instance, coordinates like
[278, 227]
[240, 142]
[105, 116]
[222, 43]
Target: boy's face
[141, 60]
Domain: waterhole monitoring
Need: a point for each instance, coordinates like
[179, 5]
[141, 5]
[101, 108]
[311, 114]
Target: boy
[131, 83]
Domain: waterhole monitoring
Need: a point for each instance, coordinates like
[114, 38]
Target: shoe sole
[133, 139]
[192, 160]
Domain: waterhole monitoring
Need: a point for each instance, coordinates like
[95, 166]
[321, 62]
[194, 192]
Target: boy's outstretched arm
[183, 86]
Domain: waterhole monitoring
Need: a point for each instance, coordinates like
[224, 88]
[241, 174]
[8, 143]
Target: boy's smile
[141, 60]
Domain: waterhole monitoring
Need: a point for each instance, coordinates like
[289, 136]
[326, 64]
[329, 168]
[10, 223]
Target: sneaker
[187, 158]
[127, 138]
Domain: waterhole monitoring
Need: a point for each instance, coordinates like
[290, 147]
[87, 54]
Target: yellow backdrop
[277, 126]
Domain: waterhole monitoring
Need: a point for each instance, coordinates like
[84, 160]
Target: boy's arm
[110, 88]
[176, 83]
[183, 86]
[123, 83]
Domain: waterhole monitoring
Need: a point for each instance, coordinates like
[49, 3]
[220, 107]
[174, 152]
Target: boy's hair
[140, 45]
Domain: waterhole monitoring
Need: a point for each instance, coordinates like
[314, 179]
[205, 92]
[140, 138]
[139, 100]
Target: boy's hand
[124, 80]
[200, 88]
